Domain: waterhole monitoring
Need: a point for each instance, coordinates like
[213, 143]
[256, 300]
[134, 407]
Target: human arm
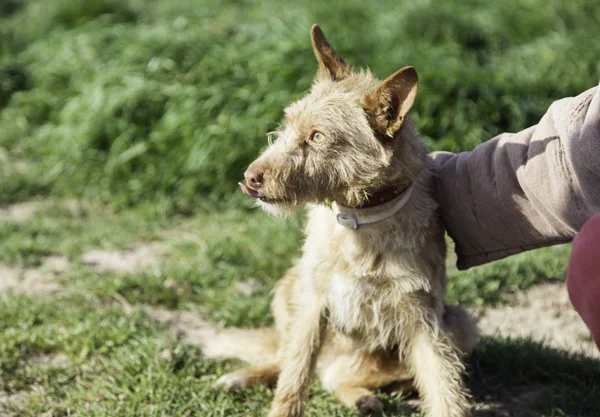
[526, 190]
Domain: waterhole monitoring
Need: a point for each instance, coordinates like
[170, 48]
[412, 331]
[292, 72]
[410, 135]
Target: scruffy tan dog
[363, 307]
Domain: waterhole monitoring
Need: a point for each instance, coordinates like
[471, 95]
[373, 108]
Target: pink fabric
[583, 275]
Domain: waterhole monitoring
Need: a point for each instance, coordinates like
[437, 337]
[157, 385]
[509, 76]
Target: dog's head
[347, 137]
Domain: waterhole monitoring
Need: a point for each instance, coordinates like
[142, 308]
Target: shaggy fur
[362, 308]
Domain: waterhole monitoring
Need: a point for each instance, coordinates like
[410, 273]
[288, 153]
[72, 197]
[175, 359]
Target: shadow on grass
[521, 378]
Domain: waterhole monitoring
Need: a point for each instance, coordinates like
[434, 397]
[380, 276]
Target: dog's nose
[254, 177]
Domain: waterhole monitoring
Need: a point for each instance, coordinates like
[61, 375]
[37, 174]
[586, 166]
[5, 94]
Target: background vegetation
[134, 101]
[148, 112]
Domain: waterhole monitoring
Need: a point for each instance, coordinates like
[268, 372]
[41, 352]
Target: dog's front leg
[302, 344]
[437, 367]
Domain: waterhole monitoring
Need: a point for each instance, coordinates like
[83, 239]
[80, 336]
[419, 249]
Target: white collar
[352, 218]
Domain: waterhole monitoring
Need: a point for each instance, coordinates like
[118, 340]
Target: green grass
[210, 253]
[168, 101]
[115, 363]
[71, 228]
[148, 112]
[117, 367]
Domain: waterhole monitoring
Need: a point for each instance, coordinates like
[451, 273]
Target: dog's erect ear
[388, 105]
[331, 64]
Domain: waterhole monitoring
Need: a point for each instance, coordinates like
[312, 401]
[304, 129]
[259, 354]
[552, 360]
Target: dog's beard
[277, 209]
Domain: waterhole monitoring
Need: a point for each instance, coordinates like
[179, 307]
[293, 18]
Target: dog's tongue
[248, 191]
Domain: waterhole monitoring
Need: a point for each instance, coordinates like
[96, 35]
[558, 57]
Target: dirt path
[125, 261]
[20, 212]
[542, 313]
[40, 280]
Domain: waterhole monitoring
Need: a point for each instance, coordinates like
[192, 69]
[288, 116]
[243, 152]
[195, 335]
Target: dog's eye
[272, 137]
[317, 137]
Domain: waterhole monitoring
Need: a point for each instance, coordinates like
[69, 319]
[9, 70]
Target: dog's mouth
[250, 192]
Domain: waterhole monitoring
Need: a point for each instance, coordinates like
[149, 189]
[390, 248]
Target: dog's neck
[408, 162]
[382, 196]
[379, 206]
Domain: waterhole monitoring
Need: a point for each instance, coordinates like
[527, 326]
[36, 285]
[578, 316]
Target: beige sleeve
[525, 190]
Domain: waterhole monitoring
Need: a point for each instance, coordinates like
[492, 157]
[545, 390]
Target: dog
[363, 306]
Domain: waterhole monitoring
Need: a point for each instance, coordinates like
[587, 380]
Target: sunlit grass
[132, 101]
[147, 113]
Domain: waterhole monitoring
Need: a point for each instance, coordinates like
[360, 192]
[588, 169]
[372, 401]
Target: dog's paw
[231, 382]
[369, 405]
[290, 407]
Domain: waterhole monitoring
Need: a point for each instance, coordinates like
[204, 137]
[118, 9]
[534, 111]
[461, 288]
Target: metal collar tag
[347, 220]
